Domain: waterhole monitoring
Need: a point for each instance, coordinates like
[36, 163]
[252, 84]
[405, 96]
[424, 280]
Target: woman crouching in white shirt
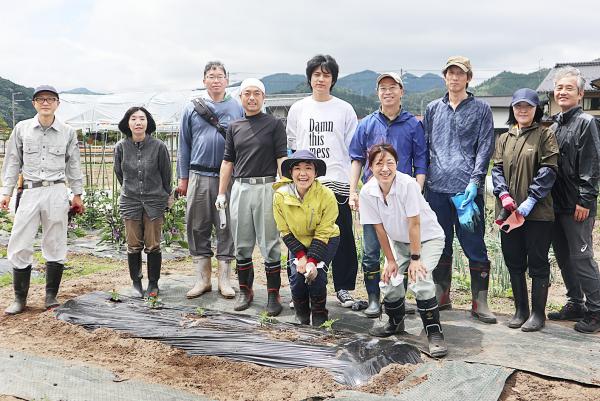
[393, 203]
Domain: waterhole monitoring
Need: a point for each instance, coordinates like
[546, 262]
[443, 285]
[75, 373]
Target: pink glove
[508, 202]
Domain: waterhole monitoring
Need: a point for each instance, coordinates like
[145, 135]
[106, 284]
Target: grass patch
[85, 266]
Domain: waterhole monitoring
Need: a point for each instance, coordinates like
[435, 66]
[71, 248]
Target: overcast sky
[127, 45]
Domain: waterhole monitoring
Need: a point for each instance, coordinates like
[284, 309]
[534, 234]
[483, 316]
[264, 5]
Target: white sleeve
[351, 124]
[367, 206]
[412, 199]
[291, 127]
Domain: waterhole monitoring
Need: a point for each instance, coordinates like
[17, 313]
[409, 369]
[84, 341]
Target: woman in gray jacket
[143, 168]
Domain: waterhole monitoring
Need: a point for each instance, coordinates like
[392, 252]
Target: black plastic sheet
[352, 359]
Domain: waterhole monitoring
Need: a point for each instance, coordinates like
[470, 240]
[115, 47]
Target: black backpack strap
[208, 115]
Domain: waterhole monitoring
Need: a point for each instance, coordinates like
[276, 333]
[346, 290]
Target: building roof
[590, 71]
[496, 101]
[283, 100]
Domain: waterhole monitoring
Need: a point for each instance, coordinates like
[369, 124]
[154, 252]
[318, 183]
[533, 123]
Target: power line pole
[14, 103]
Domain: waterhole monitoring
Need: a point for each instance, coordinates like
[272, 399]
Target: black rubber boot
[373, 292]
[395, 324]
[273, 272]
[442, 277]
[154, 262]
[480, 280]
[570, 311]
[539, 296]
[21, 279]
[430, 315]
[246, 280]
[319, 312]
[302, 309]
[409, 309]
[54, 271]
[134, 260]
[519, 289]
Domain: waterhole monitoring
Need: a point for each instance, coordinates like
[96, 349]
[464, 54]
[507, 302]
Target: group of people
[250, 181]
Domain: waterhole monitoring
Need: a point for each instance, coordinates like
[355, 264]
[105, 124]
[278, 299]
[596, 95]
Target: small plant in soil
[114, 296]
[201, 312]
[264, 319]
[153, 301]
[328, 325]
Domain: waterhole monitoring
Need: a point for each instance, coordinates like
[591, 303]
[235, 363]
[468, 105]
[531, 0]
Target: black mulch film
[352, 359]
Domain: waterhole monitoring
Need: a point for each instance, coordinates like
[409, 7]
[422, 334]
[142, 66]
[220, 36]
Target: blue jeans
[371, 249]
[472, 243]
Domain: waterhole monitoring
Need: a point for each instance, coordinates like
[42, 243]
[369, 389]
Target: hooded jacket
[301, 222]
[579, 162]
[525, 165]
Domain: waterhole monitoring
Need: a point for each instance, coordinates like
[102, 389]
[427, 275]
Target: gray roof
[496, 101]
[284, 100]
[590, 71]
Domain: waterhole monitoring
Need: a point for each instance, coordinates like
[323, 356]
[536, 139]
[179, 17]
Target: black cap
[45, 88]
[303, 156]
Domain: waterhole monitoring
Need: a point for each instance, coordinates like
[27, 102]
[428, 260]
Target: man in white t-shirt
[393, 203]
[324, 124]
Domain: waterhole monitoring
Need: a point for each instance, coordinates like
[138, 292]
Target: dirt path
[39, 332]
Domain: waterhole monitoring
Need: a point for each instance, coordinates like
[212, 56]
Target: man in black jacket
[575, 195]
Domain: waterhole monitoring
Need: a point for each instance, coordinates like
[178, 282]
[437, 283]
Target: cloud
[130, 45]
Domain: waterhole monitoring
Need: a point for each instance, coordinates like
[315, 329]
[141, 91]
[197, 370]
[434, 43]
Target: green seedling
[328, 325]
[153, 301]
[114, 296]
[200, 311]
[264, 319]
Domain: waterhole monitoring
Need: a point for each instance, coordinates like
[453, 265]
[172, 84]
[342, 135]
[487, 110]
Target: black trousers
[345, 263]
[528, 246]
[573, 247]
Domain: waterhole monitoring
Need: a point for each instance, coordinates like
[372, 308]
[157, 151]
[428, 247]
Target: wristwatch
[415, 257]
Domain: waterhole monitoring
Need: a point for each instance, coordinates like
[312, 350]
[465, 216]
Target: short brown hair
[378, 149]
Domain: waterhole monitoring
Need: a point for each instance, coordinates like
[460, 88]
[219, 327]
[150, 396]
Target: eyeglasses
[215, 77]
[392, 88]
[42, 100]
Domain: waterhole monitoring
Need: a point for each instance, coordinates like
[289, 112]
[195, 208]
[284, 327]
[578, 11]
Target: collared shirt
[42, 154]
[403, 201]
[461, 143]
[404, 133]
[144, 172]
[199, 142]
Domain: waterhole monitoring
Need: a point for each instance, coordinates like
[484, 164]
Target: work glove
[525, 208]
[221, 202]
[468, 215]
[311, 272]
[508, 202]
[470, 193]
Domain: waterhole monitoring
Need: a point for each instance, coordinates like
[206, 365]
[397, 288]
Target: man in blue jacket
[459, 129]
[199, 158]
[399, 128]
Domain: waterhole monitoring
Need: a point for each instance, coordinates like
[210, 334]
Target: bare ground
[39, 332]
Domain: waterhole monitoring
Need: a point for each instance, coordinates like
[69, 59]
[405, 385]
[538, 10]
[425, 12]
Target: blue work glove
[470, 193]
[526, 206]
[469, 215]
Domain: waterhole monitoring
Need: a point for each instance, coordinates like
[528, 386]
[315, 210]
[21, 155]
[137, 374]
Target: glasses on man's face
[42, 100]
[384, 89]
[215, 77]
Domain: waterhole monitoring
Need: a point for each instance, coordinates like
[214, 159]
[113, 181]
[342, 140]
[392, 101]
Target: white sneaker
[345, 299]
[291, 304]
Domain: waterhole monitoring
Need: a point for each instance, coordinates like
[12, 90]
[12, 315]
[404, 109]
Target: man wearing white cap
[44, 150]
[255, 147]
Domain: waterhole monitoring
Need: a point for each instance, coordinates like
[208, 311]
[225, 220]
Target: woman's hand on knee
[390, 270]
[416, 271]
